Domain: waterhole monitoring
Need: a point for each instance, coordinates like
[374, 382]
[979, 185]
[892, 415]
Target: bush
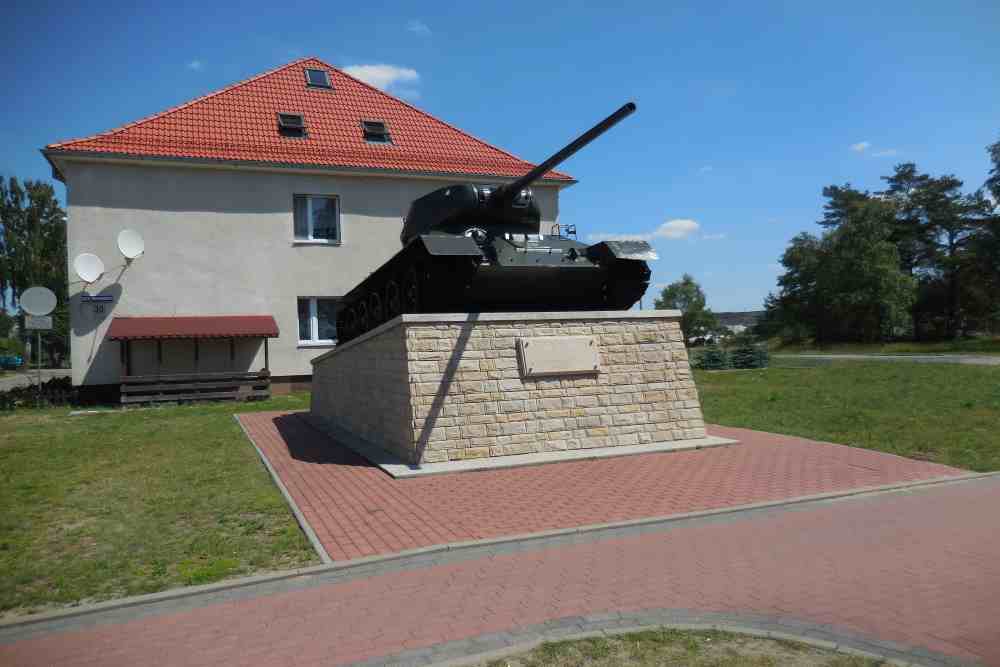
[57, 391]
[749, 355]
[11, 346]
[712, 358]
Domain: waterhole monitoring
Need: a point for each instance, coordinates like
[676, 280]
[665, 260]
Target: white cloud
[196, 65]
[418, 28]
[888, 152]
[713, 237]
[704, 170]
[679, 228]
[385, 77]
[861, 146]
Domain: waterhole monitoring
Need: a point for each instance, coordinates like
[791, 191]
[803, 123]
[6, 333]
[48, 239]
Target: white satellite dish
[38, 301]
[130, 244]
[89, 267]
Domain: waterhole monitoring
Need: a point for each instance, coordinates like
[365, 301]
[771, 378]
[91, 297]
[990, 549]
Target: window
[375, 131]
[291, 125]
[316, 219]
[317, 78]
[317, 321]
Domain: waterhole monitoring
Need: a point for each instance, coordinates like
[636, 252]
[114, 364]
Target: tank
[470, 248]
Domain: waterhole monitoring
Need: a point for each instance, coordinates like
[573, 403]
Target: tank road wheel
[345, 325]
[375, 310]
[411, 292]
[393, 300]
[362, 317]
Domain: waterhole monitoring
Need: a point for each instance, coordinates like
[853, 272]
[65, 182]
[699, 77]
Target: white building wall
[220, 242]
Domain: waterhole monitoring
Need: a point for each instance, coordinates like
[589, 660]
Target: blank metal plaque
[558, 355]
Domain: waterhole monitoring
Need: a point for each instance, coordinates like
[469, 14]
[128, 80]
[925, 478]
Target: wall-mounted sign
[97, 298]
[38, 322]
[558, 355]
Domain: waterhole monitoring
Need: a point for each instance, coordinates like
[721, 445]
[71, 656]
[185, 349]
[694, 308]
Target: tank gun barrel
[511, 190]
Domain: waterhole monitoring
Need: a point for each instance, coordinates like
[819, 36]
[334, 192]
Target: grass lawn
[107, 505]
[945, 413]
[981, 345]
[674, 647]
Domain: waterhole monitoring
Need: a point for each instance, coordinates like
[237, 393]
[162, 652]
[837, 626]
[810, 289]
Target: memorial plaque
[558, 355]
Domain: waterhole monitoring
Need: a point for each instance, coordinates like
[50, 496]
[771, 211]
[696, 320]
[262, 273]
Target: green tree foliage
[993, 182]
[867, 295]
[6, 323]
[686, 295]
[944, 243]
[939, 226]
[845, 285]
[33, 249]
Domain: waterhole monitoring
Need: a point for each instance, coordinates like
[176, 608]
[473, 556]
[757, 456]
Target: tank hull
[443, 275]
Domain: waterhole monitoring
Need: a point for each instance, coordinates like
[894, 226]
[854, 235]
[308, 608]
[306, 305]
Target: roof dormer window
[376, 132]
[317, 78]
[291, 125]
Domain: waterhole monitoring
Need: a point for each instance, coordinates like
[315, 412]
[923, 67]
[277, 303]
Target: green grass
[945, 413]
[674, 647]
[979, 345]
[108, 505]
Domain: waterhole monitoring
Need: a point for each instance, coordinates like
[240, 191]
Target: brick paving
[357, 510]
[920, 568]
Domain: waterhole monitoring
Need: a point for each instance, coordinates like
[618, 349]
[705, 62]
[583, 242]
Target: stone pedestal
[444, 387]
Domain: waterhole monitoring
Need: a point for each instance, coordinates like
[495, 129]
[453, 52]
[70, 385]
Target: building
[260, 205]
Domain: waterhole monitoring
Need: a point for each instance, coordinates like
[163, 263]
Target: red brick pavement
[920, 568]
[357, 510]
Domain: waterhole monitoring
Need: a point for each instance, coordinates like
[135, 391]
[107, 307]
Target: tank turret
[511, 206]
[471, 247]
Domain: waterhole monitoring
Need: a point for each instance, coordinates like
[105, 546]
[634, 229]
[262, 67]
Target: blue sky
[746, 110]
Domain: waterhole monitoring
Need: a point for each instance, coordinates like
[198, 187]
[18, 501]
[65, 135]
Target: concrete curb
[497, 646]
[399, 559]
[299, 516]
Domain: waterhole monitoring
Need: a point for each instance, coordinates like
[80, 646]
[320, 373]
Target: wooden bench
[195, 387]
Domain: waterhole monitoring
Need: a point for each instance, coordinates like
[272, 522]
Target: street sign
[38, 322]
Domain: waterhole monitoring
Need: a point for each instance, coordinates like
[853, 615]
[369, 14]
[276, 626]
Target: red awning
[205, 326]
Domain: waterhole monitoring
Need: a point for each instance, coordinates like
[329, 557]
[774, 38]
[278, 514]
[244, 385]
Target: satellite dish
[38, 301]
[130, 244]
[89, 267]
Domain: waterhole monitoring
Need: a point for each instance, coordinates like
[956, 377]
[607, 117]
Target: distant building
[738, 322]
[260, 205]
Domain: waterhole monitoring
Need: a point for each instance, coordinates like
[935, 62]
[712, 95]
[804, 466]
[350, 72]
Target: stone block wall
[363, 389]
[450, 387]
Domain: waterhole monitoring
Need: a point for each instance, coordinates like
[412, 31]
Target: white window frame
[314, 339]
[310, 240]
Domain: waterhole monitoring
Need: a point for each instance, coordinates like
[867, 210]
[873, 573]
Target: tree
[686, 295]
[847, 284]
[866, 293]
[6, 323]
[993, 182]
[33, 249]
[799, 300]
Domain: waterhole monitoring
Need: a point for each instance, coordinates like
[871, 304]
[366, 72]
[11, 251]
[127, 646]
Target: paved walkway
[357, 510]
[970, 359]
[902, 573]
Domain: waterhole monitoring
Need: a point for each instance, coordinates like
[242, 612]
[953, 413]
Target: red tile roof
[240, 123]
[210, 326]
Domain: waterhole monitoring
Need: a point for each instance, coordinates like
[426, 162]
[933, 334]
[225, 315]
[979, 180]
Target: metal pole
[38, 345]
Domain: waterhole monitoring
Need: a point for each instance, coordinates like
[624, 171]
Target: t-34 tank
[480, 248]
